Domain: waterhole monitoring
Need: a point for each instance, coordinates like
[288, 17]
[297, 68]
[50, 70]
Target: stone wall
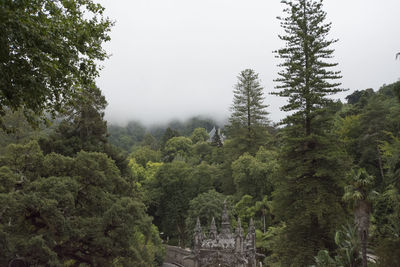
[175, 256]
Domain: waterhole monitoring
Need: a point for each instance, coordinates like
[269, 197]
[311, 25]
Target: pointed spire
[239, 229]
[213, 226]
[197, 229]
[251, 235]
[251, 226]
[225, 224]
[198, 235]
[213, 229]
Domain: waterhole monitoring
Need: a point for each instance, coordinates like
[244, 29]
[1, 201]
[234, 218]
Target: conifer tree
[304, 77]
[216, 139]
[248, 121]
[308, 194]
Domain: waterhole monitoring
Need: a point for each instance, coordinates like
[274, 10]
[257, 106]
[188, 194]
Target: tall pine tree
[308, 193]
[248, 121]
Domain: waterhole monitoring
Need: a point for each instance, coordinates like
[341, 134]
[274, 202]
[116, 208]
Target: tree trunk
[361, 217]
[264, 223]
[380, 161]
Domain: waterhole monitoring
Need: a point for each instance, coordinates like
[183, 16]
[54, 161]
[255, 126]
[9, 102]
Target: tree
[204, 177]
[127, 137]
[168, 134]
[48, 51]
[83, 128]
[348, 251]
[252, 176]
[150, 141]
[359, 193]
[202, 151]
[58, 211]
[173, 189]
[145, 154]
[177, 148]
[248, 121]
[304, 78]
[216, 139]
[312, 162]
[199, 135]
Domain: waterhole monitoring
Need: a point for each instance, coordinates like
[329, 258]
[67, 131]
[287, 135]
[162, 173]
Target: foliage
[304, 78]
[216, 139]
[186, 127]
[168, 134]
[205, 206]
[273, 242]
[58, 209]
[204, 177]
[387, 213]
[150, 141]
[253, 176]
[203, 151]
[248, 121]
[199, 135]
[245, 210]
[18, 130]
[172, 191]
[348, 251]
[177, 148]
[49, 51]
[82, 128]
[324, 260]
[312, 161]
[126, 137]
[145, 154]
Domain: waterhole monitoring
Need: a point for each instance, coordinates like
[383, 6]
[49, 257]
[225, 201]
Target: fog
[173, 59]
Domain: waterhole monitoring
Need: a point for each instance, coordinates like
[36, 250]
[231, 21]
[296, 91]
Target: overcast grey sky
[179, 58]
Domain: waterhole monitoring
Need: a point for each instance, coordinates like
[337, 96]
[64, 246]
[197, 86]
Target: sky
[174, 59]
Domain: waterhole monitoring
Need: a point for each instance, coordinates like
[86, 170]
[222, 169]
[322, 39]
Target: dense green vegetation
[48, 52]
[322, 187]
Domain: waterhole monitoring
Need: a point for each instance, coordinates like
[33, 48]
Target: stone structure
[224, 248]
[176, 256]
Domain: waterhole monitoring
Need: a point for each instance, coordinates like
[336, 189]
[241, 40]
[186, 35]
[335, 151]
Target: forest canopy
[322, 186]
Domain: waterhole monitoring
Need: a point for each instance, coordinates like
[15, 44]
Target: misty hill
[134, 132]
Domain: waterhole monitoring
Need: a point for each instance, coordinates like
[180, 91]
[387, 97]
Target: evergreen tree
[308, 194]
[248, 121]
[216, 139]
[304, 77]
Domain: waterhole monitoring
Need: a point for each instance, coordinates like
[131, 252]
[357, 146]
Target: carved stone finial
[197, 229]
[239, 229]
[251, 226]
[213, 229]
[251, 236]
[225, 224]
[198, 235]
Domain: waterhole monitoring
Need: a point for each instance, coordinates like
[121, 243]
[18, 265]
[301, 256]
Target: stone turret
[250, 247]
[251, 235]
[198, 235]
[239, 237]
[213, 230]
[225, 224]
